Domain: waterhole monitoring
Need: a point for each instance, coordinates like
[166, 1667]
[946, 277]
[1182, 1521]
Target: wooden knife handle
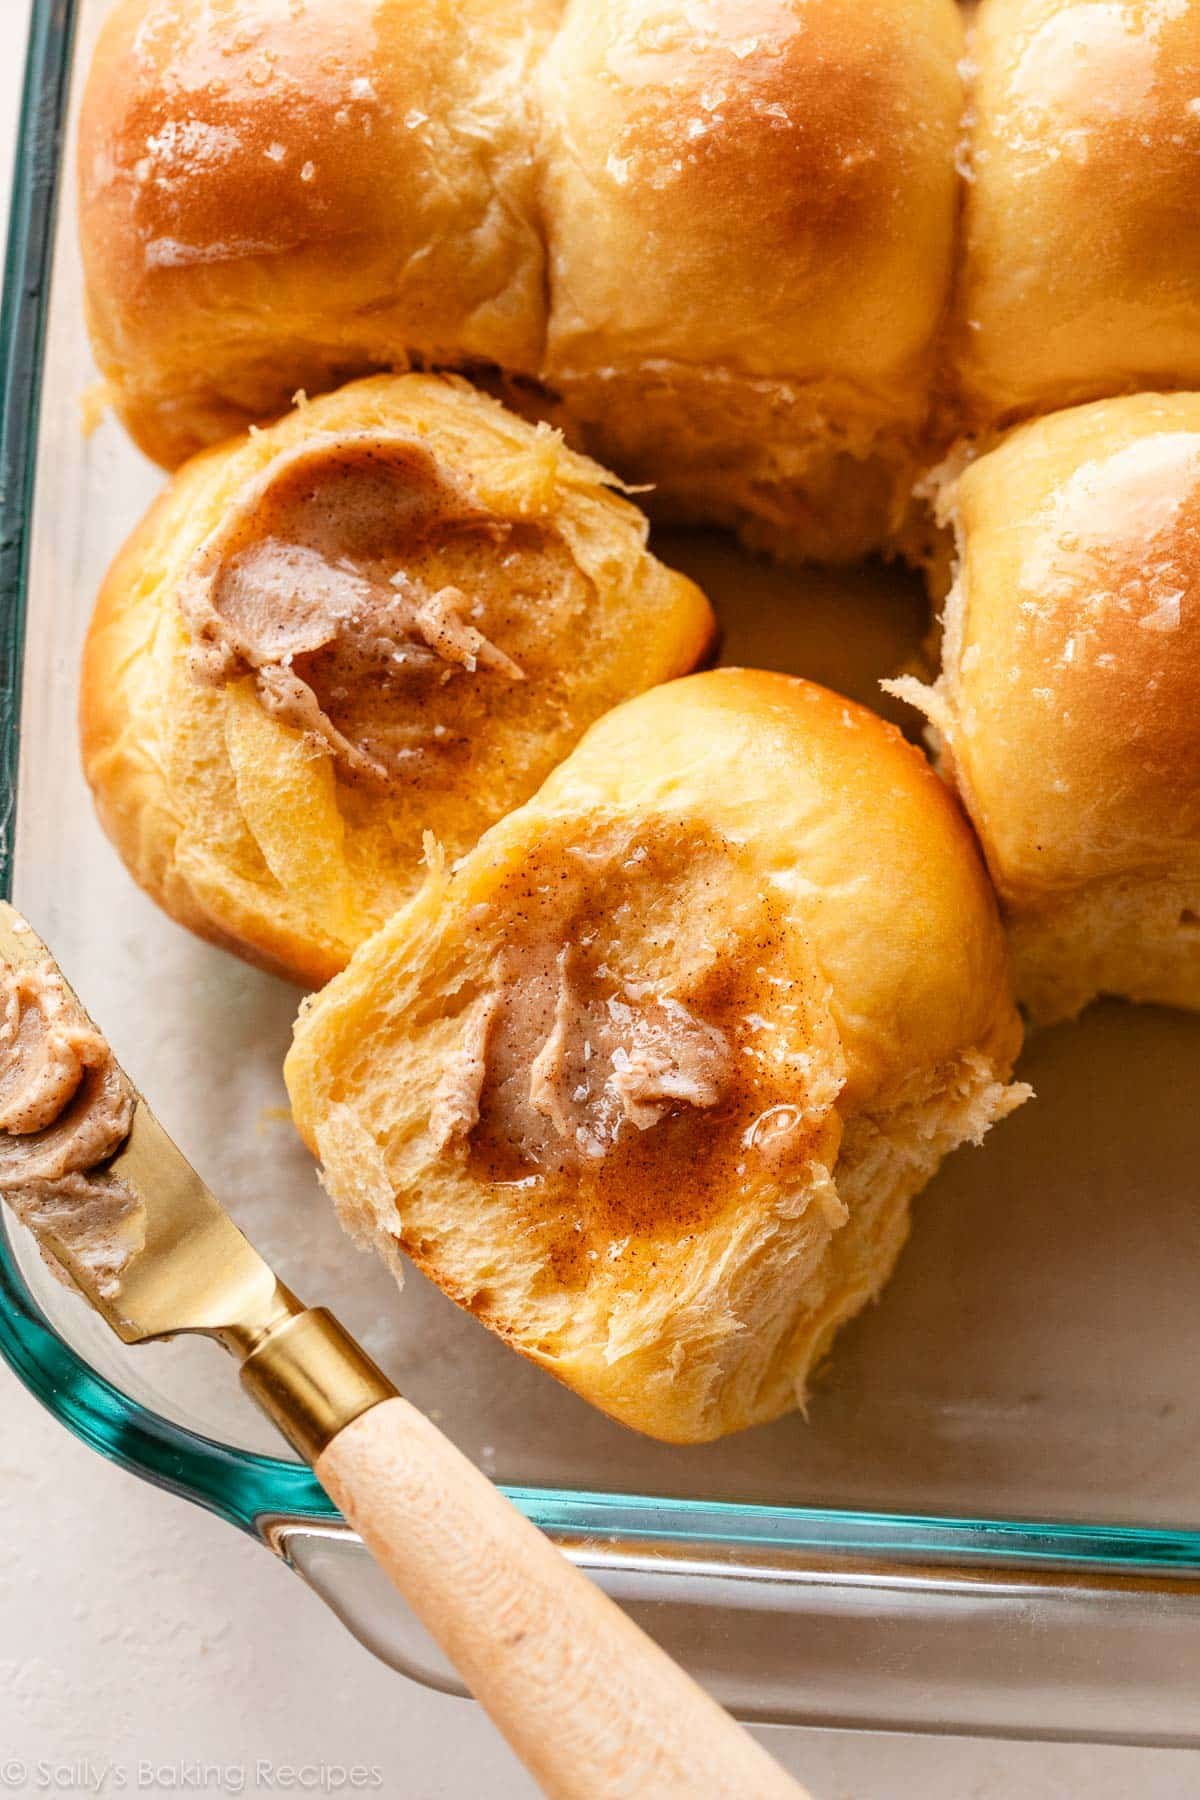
[593, 1708]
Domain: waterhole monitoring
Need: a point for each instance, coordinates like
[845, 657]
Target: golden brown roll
[276, 197]
[1069, 700]
[1081, 237]
[748, 211]
[750, 220]
[647, 1080]
[391, 613]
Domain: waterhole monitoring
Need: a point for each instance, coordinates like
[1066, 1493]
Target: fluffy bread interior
[1139, 939]
[640, 1084]
[514, 602]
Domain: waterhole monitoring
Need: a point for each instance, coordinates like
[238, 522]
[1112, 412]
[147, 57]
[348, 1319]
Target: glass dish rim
[251, 1490]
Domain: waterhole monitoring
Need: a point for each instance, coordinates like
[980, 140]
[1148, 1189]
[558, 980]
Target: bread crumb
[94, 402]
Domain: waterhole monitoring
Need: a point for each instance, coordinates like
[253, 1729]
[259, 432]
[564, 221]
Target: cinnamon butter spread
[653, 1043]
[348, 582]
[65, 1111]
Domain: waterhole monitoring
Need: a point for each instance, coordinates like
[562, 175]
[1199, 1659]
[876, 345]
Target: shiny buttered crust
[647, 1080]
[750, 224]
[276, 197]
[1080, 262]
[245, 824]
[741, 252]
[1069, 700]
[720, 235]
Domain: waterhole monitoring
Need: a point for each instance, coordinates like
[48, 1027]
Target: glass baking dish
[989, 1519]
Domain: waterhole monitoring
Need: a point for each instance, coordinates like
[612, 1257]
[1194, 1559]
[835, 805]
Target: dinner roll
[1069, 698]
[712, 240]
[393, 612]
[647, 1079]
[750, 223]
[275, 197]
[1081, 235]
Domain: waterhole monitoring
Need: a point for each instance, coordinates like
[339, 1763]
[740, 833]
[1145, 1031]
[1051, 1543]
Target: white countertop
[146, 1647]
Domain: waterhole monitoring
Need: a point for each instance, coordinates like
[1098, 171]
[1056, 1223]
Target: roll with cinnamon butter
[648, 1080]
[392, 613]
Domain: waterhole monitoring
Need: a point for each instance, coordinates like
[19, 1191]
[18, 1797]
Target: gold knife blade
[193, 1270]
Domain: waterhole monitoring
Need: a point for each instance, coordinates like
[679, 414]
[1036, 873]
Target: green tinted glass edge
[242, 1487]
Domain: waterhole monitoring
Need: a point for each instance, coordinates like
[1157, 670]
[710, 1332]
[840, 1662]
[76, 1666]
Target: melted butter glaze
[655, 1043]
